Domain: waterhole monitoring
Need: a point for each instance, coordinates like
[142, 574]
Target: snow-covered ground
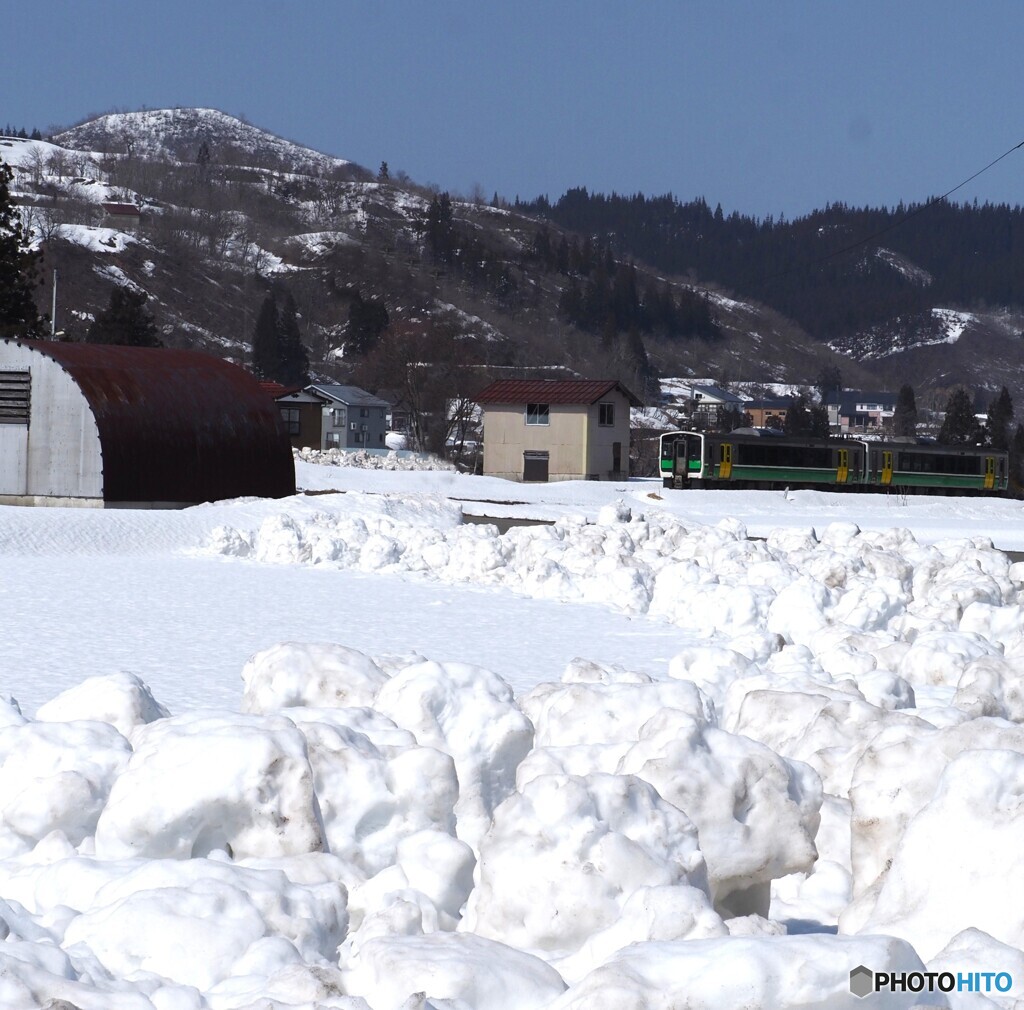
[673, 749]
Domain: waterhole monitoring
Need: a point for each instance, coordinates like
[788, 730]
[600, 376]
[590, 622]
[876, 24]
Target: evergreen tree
[383, 173]
[960, 426]
[1017, 461]
[125, 321]
[367, 320]
[819, 420]
[440, 229]
[829, 381]
[278, 354]
[1000, 415]
[19, 270]
[904, 416]
[798, 417]
[266, 339]
[293, 359]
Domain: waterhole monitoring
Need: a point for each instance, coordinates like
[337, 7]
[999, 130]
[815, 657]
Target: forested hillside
[836, 271]
[414, 291]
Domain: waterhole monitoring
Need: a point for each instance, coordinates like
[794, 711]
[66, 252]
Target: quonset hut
[138, 427]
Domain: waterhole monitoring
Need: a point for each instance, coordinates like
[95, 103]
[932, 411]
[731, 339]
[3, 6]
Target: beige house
[556, 429]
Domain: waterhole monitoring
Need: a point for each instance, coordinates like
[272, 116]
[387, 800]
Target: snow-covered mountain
[180, 134]
[227, 210]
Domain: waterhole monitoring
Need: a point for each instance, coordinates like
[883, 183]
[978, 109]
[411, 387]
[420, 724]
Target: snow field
[835, 745]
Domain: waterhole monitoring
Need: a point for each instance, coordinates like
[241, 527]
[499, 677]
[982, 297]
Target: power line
[903, 220]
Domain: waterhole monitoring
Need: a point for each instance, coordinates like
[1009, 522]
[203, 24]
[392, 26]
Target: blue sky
[775, 107]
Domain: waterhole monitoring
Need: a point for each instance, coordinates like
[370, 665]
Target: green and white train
[756, 458]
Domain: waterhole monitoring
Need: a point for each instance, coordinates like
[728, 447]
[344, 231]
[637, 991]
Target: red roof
[123, 209]
[276, 390]
[176, 425]
[552, 391]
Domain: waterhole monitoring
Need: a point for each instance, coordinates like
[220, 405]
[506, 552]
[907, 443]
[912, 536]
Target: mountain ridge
[258, 212]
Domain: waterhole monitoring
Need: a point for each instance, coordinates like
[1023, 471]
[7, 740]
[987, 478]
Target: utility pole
[53, 310]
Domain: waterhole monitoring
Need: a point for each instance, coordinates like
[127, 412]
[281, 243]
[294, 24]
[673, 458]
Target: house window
[338, 417]
[359, 437]
[290, 416]
[606, 414]
[536, 413]
[334, 440]
[364, 411]
[380, 413]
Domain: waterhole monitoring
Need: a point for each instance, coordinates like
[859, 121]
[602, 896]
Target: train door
[886, 466]
[725, 466]
[679, 449]
[843, 468]
[990, 473]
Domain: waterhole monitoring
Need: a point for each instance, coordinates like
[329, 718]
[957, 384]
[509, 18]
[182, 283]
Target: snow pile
[869, 590]
[377, 828]
[835, 742]
[364, 460]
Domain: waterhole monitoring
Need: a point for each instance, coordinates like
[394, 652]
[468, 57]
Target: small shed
[106, 426]
[122, 217]
[556, 429]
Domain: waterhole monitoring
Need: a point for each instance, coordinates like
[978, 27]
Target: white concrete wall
[61, 444]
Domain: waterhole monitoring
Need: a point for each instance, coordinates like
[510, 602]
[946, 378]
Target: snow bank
[759, 973]
[836, 740]
[364, 460]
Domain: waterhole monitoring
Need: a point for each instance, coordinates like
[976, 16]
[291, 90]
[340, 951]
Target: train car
[937, 467]
[758, 458]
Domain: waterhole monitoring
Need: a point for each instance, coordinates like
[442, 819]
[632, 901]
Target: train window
[939, 462]
[773, 454]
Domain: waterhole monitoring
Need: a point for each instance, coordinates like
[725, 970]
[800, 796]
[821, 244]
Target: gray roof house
[352, 417]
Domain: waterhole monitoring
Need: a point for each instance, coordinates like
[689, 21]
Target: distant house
[122, 217]
[107, 426]
[859, 411]
[399, 415]
[704, 405]
[556, 429]
[351, 417]
[302, 414]
[767, 413]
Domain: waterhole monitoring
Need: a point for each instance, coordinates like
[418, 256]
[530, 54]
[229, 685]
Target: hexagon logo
[862, 981]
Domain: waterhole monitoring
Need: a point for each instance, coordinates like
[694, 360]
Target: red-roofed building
[122, 217]
[556, 429]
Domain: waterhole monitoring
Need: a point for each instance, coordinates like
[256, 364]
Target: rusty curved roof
[178, 426]
[552, 391]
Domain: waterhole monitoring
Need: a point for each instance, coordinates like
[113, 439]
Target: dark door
[535, 465]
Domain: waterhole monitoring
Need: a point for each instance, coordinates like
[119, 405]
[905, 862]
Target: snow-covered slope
[179, 133]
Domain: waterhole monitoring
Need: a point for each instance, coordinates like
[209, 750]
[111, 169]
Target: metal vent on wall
[15, 397]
